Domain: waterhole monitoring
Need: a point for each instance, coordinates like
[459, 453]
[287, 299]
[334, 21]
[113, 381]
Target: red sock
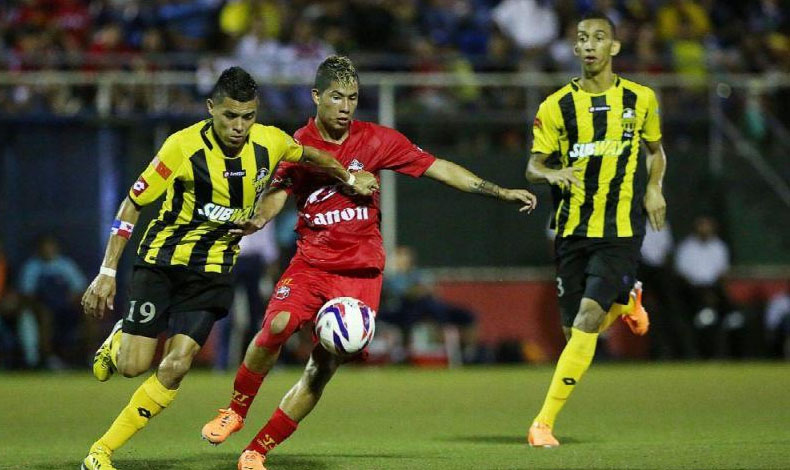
[245, 387]
[279, 427]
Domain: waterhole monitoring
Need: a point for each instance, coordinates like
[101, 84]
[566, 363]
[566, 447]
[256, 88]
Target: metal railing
[718, 88]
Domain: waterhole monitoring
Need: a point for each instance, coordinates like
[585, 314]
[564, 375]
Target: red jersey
[337, 231]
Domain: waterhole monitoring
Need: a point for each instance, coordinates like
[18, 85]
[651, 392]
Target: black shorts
[601, 269]
[177, 299]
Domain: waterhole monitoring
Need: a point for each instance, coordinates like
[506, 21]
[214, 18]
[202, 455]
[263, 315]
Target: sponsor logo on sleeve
[139, 186]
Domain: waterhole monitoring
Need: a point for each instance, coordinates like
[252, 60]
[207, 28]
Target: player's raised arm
[362, 182]
[655, 204]
[460, 178]
[539, 172]
[101, 292]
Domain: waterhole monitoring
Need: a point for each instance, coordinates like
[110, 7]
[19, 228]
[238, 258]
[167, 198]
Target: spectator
[56, 282]
[531, 24]
[678, 15]
[777, 323]
[672, 337]
[411, 301]
[21, 325]
[702, 261]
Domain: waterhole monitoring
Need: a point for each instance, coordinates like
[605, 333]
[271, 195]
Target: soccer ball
[345, 325]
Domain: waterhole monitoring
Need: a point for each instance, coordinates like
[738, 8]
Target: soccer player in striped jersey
[212, 173]
[608, 184]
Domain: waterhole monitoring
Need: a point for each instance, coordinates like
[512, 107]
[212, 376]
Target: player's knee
[590, 317]
[175, 366]
[130, 366]
[280, 323]
[276, 331]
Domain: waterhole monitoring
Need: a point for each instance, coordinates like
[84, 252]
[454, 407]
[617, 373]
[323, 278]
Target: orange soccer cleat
[540, 436]
[226, 423]
[637, 320]
[251, 460]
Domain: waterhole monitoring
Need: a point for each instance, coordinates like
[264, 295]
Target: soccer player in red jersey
[339, 251]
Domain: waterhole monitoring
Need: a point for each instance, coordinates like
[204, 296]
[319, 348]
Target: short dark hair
[599, 15]
[236, 84]
[335, 68]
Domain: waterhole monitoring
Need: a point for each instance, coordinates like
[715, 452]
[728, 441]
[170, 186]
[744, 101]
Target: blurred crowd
[693, 317]
[279, 38]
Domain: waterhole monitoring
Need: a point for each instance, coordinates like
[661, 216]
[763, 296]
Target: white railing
[717, 86]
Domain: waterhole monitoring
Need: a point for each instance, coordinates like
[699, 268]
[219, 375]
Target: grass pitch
[636, 416]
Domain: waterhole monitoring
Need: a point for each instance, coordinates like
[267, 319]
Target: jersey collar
[576, 87]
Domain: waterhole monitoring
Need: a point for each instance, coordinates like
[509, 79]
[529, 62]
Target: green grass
[642, 416]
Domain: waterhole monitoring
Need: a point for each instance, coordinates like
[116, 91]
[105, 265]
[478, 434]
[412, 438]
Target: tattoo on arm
[486, 188]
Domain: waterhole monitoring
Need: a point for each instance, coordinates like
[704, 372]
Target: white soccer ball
[345, 325]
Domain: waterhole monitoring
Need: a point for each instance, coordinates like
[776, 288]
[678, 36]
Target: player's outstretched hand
[656, 207]
[522, 196]
[365, 183]
[99, 296]
[247, 226]
[563, 177]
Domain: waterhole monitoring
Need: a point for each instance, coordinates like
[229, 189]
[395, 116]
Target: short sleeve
[651, 130]
[545, 131]
[285, 176]
[401, 155]
[287, 148]
[159, 174]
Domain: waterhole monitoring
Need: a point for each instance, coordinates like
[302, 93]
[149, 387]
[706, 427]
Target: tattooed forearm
[485, 187]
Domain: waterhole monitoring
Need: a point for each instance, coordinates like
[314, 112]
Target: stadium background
[90, 89]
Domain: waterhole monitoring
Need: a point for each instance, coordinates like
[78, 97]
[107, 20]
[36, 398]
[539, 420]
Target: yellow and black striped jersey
[599, 135]
[206, 193]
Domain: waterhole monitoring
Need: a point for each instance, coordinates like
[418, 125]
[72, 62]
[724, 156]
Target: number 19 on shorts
[146, 312]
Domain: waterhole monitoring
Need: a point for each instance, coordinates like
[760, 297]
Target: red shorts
[303, 289]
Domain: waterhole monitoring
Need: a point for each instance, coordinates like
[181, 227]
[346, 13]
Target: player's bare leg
[302, 397]
[258, 361]
[294, 407]
[574, 361]
[133, 358]
[135, 355]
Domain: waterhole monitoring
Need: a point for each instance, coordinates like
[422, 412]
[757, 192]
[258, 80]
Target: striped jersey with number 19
[206, 193]
[599, 135]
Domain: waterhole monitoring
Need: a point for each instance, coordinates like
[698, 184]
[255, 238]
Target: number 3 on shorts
[560, 289]
[147, 312]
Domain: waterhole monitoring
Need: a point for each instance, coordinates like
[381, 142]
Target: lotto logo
[139, 186]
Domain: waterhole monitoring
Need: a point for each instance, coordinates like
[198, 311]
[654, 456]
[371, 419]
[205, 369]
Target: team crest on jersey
[261, 174]
[629, 120]
[321, 194]
[355, 165]
[283, 289]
